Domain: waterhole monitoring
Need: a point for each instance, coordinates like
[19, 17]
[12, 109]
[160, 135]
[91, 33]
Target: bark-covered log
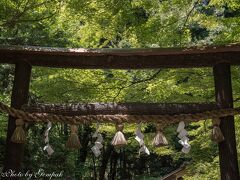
[121, 108]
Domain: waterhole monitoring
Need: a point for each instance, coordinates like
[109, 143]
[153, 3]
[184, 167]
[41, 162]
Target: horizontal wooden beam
[123, 108]
[121, 58]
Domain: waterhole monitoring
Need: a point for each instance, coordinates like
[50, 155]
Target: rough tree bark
[120, 108]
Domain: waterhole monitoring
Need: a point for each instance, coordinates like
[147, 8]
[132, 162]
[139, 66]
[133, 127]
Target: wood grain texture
[14, 151]
[227, 149]
[121, 58]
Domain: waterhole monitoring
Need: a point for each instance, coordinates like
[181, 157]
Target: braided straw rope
[86, 119]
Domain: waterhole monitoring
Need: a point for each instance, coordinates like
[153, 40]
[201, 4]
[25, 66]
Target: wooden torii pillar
[14, 151]
[224, 98]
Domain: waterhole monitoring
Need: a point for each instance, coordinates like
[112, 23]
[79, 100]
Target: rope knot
[119, 127]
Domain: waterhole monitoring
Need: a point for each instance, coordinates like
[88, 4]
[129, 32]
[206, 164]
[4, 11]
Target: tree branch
[17, 17]
[147, 79]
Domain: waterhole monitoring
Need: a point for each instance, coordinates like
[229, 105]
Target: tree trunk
[115, 159]
[85, 138]
[106, 155]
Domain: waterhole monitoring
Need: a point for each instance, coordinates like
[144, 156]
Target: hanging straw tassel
[159, 139]
[73, 140]
[119, 139]
[19, 135]
[216, 134]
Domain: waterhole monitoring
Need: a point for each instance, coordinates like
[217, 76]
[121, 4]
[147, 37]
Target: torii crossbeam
[220, 58]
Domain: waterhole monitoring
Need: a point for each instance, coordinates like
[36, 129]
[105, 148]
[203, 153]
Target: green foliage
[113, 23]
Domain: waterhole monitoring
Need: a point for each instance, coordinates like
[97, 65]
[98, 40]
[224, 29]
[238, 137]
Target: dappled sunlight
[123, 85]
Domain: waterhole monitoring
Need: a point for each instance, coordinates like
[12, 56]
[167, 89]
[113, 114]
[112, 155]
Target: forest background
[119, 24]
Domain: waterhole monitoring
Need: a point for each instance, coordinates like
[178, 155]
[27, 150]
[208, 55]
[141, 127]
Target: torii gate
[220, 58]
